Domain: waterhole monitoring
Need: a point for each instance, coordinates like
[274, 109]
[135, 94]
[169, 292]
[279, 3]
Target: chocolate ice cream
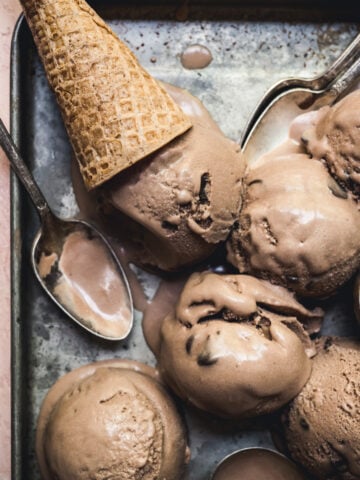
[298, 228]
[184, 199]
[335, 140]
[234, 346]
[321, 425]
[110, 419]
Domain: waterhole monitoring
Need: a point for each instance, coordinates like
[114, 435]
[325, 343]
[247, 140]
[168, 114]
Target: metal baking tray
[253, 44]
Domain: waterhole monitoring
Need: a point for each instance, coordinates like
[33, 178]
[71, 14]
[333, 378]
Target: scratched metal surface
[250, 53]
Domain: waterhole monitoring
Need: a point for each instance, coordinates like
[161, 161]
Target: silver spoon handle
[320, 82]
[341, 64]
[335, 90]
[345, 81]
[23, 173]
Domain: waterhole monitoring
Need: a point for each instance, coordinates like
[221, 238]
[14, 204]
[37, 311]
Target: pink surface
[9, 12]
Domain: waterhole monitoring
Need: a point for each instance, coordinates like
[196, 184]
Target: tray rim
[16, 229]
[15, 259]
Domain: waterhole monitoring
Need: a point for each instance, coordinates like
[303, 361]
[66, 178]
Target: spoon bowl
[256, 463]
[75, 264]
[68, 288]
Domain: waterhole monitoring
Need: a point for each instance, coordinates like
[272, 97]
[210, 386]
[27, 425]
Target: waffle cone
[114, 111]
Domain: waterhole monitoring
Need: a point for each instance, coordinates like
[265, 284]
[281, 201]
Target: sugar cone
[114, 111]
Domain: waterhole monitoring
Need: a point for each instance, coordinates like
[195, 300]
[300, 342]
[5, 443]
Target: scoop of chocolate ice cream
[297, 228]
[335, 140]
[183, 200]
[110, 419]
[234, 347]
[321, 425]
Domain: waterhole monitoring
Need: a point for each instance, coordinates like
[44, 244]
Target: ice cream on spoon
[299, 226]
[335, 140]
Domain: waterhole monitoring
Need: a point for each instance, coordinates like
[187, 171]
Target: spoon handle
[322, 81]
[341, 64]
[336, 89]
[23, 173]
[345, 81]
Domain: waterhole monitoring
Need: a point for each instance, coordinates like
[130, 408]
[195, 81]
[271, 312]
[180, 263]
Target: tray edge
[15, 264]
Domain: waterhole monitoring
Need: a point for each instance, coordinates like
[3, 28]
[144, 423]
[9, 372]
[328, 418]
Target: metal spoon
[268, 126]
[227, 468]
[51, 238]
[356, 295]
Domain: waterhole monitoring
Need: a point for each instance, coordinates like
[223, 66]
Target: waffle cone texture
[114, 111]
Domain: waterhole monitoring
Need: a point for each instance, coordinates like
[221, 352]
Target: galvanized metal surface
[248, 57]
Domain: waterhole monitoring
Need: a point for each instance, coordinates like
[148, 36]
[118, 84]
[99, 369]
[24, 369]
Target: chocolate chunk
[204, 223]
[255, 181]
[340, 465]
[291, 278]
[304, 424]
[327, 344]
[189, 343]
[169, 226]
[337, 190]
[205, 184]
[229, 316]
[205, 359]
[264, 321]
[185, 323]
